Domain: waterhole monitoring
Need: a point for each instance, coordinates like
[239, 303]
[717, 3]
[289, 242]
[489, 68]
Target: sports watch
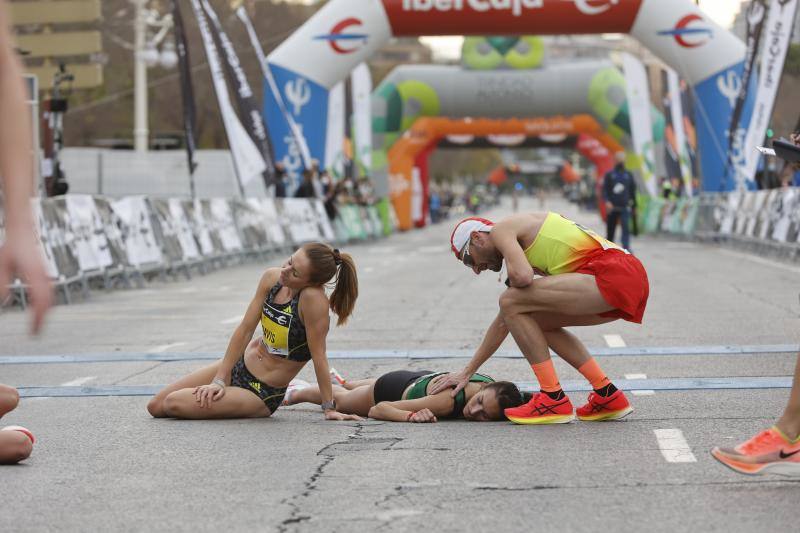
[329, 405]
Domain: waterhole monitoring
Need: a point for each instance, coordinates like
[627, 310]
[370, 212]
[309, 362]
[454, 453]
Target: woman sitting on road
[402, 396]
[251, 380]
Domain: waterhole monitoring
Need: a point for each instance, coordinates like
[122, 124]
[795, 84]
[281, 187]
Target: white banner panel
[137, 230]
[638, 94]
[324, 222]
[300, 220]
[202, 229]
[271, 218]
[183, 229]
[225, 225]
[361, 87]
[90, 244]
[334, 141]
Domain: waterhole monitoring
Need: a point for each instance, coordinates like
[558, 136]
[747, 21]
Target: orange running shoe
[769, 452]
[542, 410]
[600, 408]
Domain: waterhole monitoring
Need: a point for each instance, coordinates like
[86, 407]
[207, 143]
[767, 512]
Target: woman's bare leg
[9, 398]
[237, 403]
[15, 446]
[199, 377]
[350, 385]
[350, 402]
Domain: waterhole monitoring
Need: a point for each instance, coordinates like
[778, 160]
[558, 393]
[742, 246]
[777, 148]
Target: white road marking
[232, 320]
[614, 341]
[635, 376]
[164, 347]
[78, 382]
[640, 392]
[673, 446]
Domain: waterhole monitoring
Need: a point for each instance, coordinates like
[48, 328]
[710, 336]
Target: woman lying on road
[251, 380]
[402, 396]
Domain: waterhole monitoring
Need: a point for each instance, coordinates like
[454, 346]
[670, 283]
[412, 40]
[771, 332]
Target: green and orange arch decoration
[407, 157]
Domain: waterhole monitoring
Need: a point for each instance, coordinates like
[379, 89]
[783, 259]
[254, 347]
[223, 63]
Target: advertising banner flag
[247, 158]
[187, 92]
[638, 96]
[777, 34]
[246, 103]
[677, 113]
[302, 146]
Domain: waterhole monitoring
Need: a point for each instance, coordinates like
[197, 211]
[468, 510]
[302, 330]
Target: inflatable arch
[344, 33]
[408, 157]
[412, 91]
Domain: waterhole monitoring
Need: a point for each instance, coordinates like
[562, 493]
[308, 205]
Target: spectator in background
[330, 191]
[306, 188]
[619, 194]
[435, 205]
[280, 180]
[19, 254]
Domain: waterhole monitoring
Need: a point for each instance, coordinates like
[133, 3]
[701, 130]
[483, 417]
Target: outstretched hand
[336, 415]
[456, 380]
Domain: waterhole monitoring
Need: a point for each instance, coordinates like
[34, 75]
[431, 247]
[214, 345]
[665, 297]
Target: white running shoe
[294, 385]
[336, 377]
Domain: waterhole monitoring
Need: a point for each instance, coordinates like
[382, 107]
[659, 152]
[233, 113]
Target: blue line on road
[115, 357]
[667, 384]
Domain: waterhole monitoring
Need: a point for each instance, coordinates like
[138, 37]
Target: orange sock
[592, 372]
[546, 374]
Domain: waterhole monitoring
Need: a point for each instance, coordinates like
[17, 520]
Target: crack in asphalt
[135, 374]
[329, 452]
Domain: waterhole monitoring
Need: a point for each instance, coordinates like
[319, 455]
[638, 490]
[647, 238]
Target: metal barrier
[96, 242]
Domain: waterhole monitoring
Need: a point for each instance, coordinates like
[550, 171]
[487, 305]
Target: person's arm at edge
[16, 171]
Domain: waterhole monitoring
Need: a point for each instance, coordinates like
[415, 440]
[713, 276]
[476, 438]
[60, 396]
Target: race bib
[276, 324]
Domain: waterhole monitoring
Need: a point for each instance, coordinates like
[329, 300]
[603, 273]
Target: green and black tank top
[419, 389]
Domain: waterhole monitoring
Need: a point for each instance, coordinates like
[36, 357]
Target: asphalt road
[102, 464]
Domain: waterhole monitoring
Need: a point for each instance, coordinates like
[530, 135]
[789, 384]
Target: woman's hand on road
[423, 416]
[336, 415]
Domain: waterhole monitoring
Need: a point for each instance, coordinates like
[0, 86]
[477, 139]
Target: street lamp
[146, 54]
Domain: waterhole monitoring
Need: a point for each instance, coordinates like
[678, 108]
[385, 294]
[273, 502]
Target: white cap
[463, 231]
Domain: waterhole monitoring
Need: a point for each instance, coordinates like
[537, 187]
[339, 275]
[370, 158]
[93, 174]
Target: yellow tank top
[562, 246]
